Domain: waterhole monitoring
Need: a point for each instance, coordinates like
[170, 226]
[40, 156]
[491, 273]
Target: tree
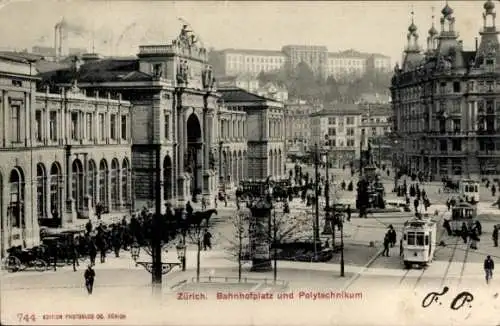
[237, 244]
[332, 92]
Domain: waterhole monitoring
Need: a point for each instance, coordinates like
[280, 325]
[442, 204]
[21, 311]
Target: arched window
[16, 198]
[77, 186]
[41, 191]
[126, 182]
[115, 184]
[56, 190]
[103, 183]
[92, 183]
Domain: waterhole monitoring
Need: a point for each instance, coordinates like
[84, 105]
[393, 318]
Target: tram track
[464, 263]
[450, 261]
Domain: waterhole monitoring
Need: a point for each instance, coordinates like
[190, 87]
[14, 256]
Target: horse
[197, 217]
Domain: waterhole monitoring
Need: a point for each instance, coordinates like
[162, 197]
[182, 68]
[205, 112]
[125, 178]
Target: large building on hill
[349, 63]
[446, 102]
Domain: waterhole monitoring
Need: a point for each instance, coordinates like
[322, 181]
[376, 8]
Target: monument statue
[182, 72]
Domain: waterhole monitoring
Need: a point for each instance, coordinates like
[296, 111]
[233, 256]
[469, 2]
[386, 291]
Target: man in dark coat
[464, 232]
[494, 236]
[392, 235]
[207, 240]
[92, 251]
[89, 277]
[349, 212]
[386, 245]
[489, 266]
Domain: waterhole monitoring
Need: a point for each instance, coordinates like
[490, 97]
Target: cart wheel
[40, 265]
[12, 264]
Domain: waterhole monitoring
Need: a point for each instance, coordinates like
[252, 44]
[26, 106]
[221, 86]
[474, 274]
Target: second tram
[419, 242]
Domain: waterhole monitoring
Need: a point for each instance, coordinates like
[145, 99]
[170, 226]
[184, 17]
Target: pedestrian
[203, 204]
[473, 239]
[207, 240]
[89, 277]
[117, 242]
[215, 201]
[464, 232]
[74, 251]
[447, 227]
[392, 236]
[349, 212]
[478, 227]
[401, 247]
[489, 266]
[102, 246]
[386, 245]
[415, 203]
[494, 236]
[92, 252]
[493, 190]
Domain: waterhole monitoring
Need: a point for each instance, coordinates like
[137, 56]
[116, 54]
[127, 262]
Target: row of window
[350, 131]
[349, 142]
[82, 126]
[232, 129]
[340, 120]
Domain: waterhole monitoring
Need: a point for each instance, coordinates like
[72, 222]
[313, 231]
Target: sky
[118, 27]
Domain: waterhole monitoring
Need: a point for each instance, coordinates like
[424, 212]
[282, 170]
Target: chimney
[477, 44]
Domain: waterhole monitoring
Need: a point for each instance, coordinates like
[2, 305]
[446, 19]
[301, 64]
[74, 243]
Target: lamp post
[316, 200]
[342, 265]
[327, 184]
[181, 254]
[221, 175]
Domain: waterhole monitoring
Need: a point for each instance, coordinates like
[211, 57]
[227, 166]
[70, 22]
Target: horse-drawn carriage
[19, 259]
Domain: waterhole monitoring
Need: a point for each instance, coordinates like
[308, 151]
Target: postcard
[249, 162]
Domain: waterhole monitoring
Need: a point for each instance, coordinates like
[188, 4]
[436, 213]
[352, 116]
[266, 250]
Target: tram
[419, 242]
[462, 213]
[469, 189]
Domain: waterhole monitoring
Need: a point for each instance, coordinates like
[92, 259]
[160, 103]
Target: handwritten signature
[458, 302]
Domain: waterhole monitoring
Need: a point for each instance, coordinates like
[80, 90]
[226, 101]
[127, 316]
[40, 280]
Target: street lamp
[327, 184]
[181, 254]
[342, 265]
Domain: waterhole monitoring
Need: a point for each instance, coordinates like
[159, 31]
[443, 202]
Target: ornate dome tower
[432, 38]
[412, 56]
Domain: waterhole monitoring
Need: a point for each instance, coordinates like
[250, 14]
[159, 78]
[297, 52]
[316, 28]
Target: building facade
[298, 125]
[376, 128]
[338, 128]
[265, 133]
[61, 154]
[445, 102]
[349, 63]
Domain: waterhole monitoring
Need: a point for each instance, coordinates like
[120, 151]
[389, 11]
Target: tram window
[420, 239]
[426, 240]
[466, 188]
[475, 188]
[411, 238]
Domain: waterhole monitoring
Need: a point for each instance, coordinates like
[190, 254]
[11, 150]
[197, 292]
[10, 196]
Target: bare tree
[239, 241]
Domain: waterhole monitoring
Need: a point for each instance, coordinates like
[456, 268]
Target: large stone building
[341, 123]
[264, 133]
[96, 132]
[298, 126]
[446, 101]
[349, 63]
[60, 154]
